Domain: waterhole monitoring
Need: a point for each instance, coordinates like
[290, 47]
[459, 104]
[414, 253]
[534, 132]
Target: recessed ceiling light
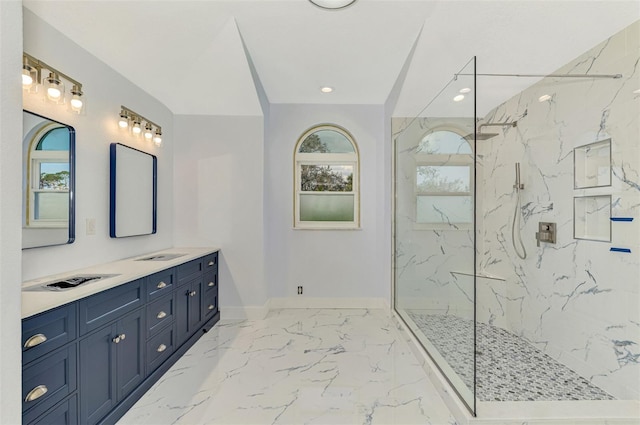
[544, 98]
[326, 89]
[465, 90]
[332, 4]
[458, 98]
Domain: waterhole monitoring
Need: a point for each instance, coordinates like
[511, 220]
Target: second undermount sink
[75, 281]
[160, 257]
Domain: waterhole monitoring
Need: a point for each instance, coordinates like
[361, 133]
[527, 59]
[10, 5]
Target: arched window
[444, 181]
[48, 177]
[326, 193]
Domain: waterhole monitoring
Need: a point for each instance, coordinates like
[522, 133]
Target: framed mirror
[48, 182]
[133, 192]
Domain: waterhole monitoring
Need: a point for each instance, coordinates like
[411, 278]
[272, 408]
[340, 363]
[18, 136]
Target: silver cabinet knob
[37, 339]
[211, 284]
[36, 393]
[161, 315]
[192, 293]
[161, 285]
[161, 348]
[122, 337]
[116, 340]
[210, 307]
[211, 263]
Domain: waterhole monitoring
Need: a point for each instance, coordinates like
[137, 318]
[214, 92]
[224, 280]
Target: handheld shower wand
[515, 227]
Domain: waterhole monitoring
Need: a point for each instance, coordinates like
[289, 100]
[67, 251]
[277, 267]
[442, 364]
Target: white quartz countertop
[36, 298]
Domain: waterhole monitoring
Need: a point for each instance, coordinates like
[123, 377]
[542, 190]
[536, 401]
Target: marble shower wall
[574, 299]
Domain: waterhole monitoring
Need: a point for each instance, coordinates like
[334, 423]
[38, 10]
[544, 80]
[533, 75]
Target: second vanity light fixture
[150, 130]
[32, 80]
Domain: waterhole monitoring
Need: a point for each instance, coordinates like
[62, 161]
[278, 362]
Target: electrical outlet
[91, 226]
[299, 290]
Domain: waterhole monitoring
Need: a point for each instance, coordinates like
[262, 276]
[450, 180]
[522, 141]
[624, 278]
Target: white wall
[105, 90]
[327, 263]
[219, 201]
[10, 206]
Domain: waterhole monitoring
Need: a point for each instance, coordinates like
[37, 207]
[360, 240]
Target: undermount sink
[73, 282]
[160, 257]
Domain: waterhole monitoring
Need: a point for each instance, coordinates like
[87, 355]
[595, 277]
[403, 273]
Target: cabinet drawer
[160, 284]
[104, 307]
[48, 381]
[160, 313]
[187, 271]
[210, 304]
[210, 261]
[66, 413]
[210, 281]
[45, 332]
[159, 348]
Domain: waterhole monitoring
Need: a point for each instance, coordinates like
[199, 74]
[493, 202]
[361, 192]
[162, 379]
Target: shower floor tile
[509, 368]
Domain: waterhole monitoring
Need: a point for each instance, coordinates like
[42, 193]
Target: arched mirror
[48, 177]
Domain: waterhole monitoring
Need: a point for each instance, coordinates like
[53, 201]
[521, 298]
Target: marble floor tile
[302, 366]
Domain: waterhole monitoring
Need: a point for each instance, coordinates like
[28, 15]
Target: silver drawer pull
[122, 337]
[192, 293]
[35, 340]
[211, 307]
[211, 263]
[161, 348]
[116, 340]
[161, 285]
[211, 284]
[36, 393]
[161, 315]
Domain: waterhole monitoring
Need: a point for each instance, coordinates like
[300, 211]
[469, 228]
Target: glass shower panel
[434, 231]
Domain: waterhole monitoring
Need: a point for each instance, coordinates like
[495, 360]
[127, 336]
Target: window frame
[324, 159]
[438, 160]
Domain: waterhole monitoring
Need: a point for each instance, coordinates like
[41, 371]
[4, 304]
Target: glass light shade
[76, 99]
[157, 139]
[123, 122]
[136, 128]
[148, 131]
[55, 88]
[27, 77]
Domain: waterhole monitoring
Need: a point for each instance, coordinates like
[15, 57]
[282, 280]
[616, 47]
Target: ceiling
[196, 56]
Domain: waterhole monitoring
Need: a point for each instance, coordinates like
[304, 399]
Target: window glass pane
[326, 178]
[443, 178]
[54, 176]
[55, 140]
[326, 141]
[444, 142]
[321, 207]
[444, 209]
[51, 206]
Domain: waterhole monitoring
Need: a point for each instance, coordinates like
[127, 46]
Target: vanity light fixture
[32, 79]
[132, 119]
[332, 4]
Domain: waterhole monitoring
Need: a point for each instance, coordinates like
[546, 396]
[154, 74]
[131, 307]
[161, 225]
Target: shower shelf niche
[592, 218]
[592, 165]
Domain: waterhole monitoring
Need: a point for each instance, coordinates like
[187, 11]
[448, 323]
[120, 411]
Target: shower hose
[515, 227]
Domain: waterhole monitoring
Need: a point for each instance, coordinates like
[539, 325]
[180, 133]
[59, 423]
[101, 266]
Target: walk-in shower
[507, 319]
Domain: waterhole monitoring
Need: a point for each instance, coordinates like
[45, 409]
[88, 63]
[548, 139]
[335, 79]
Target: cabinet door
[188, 309]
[130, 353]
[97, 375]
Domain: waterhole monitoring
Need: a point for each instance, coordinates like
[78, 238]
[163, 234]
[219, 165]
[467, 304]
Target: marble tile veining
[306, 366]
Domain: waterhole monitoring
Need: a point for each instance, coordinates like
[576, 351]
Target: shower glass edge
[435, 232]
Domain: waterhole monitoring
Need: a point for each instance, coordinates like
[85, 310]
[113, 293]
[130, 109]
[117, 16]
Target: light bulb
[54, 93]
[157, 139]
[124, 121]
[136, 128]
[76, 99]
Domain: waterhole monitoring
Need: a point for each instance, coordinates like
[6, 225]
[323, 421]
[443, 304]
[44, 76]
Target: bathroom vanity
[93, 342]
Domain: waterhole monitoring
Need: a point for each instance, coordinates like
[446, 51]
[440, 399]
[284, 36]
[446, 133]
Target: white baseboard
[313, 302]
[259, 312]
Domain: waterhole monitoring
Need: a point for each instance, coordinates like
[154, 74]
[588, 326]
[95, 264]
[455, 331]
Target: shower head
[485, 136]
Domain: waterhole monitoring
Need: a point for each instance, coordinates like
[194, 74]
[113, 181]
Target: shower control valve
[546, 232]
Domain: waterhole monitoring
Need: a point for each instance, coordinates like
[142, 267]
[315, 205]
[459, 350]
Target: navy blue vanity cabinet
[111, 365]
[160, 284]
[65, 413]
[45, 332]
[210, 297]
[188, 308]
